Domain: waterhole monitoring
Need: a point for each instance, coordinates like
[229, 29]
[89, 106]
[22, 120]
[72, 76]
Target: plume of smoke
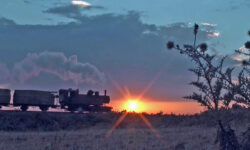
[4, 74]
[56, 63]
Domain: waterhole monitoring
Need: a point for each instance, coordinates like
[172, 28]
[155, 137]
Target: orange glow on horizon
[151, 106]
[133, 105]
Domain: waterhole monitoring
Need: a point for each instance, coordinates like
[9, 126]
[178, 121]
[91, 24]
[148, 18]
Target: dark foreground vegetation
[71, 131]
[54, 121]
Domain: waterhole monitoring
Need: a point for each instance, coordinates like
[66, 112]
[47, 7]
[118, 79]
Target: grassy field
[188, 138]
[53, 131]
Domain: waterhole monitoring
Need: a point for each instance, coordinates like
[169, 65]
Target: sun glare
[133, 106]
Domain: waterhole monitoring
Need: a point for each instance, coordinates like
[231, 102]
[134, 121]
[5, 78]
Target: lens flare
[133, 106]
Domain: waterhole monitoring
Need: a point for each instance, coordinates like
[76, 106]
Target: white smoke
[56, 63]
[4, 74]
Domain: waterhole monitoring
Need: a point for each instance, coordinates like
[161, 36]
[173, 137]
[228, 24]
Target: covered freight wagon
[26, 98]
[4, 97]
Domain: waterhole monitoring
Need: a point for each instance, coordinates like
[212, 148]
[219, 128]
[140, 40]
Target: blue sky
[124, 40]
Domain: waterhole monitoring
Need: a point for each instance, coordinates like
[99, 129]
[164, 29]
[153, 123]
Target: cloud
[234, 6]
[121, 46]
[5, 22]
[214, 34]
[208, 24]
[241, 57]
[68, 11]
[71, 11]
[27, 2]
[56, 63]
[80, 3]
[182, 33]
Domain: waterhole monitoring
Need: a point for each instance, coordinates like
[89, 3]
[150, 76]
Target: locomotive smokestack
[105, 92]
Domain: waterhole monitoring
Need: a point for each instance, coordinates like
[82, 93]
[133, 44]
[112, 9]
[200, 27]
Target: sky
[98, 44]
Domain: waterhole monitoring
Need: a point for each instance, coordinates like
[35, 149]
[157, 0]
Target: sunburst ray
[150, 84]
[154, 131]
[116, 124]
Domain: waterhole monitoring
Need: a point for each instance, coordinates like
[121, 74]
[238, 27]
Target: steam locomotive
[69, 99]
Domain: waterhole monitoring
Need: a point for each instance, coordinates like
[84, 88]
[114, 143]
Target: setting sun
[133, 106]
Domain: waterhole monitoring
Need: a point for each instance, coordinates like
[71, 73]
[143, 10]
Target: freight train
[69, 99]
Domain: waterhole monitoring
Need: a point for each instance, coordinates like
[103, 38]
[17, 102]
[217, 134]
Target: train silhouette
[69, 99]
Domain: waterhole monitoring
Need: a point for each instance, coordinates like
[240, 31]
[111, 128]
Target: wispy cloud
[214, 34]
[81, 3]
[74, 10]
[208, 24]
[241, 57]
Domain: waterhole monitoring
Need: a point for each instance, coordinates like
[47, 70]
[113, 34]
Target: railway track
[50, 111]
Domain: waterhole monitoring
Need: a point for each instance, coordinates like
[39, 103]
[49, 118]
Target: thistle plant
[215, 85]
[207, 69]
[239, 88]
[246, 62]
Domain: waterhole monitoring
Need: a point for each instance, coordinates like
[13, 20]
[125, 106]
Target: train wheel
[71, 109]
[80, 110]
[97, 108]
[24, 108]
[43, 108]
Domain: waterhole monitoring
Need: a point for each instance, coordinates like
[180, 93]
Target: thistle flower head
[196, 27]
[170, 45]
[247, 44]
[203, 47]
[245, 63]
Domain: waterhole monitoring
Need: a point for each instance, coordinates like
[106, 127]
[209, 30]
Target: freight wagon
[4, 97]
[26, 98]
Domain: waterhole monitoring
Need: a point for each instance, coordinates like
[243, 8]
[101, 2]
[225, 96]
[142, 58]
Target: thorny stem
[194, 40]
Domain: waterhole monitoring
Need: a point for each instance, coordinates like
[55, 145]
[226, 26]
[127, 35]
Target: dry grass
[188, 138]
[53, 131]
